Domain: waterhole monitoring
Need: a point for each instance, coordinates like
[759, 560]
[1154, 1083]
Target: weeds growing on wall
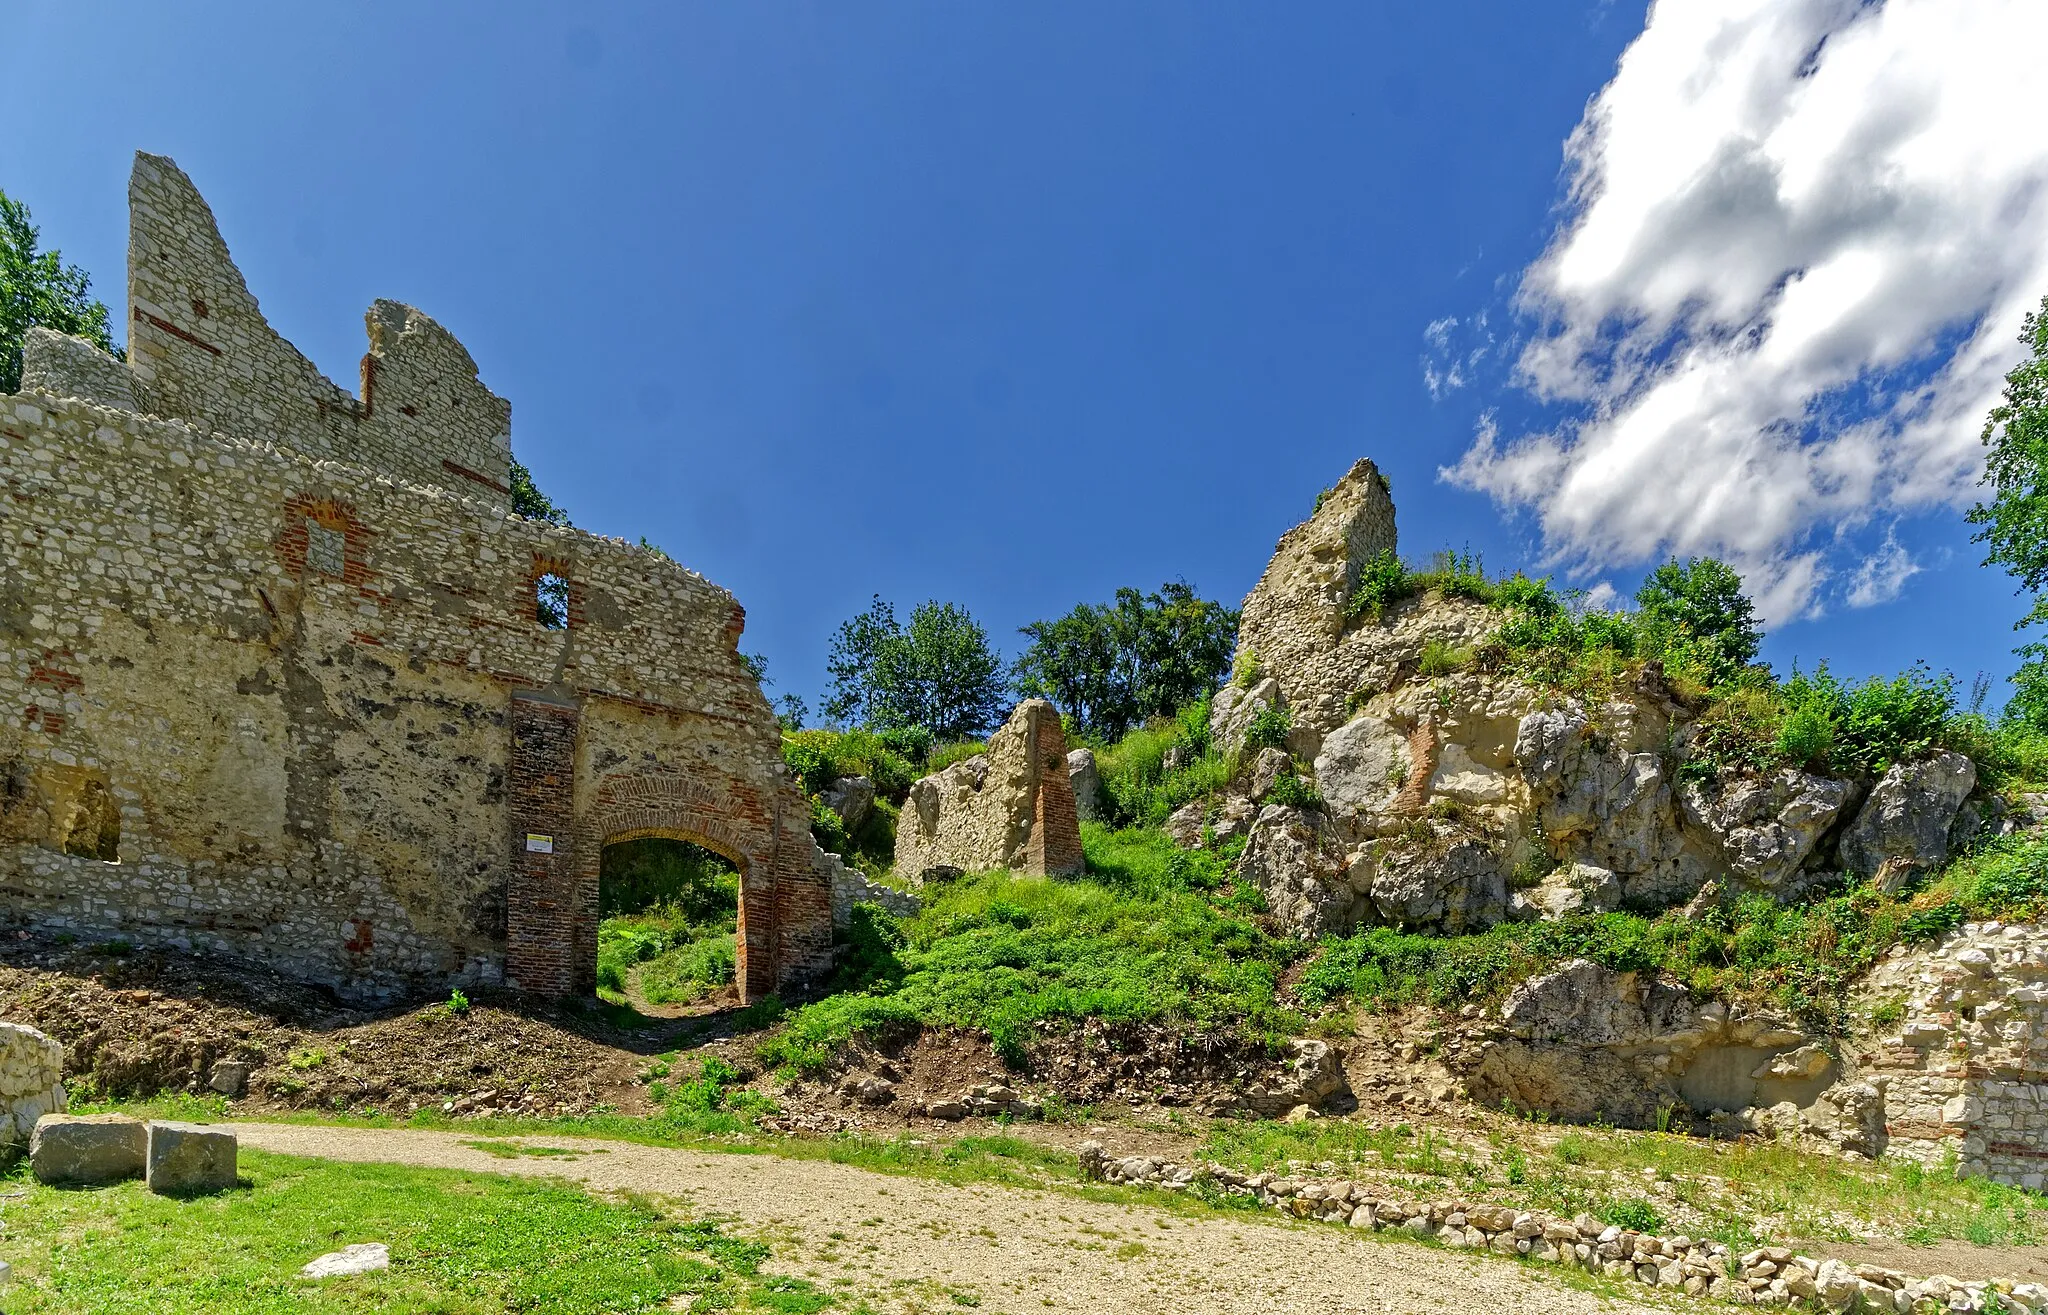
[1145, 936]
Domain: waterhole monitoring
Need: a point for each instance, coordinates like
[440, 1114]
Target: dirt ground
[907, 1244]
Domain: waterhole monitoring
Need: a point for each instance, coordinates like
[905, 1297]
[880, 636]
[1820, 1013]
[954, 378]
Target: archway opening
[668, 912]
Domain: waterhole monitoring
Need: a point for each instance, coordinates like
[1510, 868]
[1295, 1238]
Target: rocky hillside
[1415, 762]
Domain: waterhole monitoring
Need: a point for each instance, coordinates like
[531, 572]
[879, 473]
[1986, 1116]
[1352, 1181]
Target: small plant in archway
[670, 911]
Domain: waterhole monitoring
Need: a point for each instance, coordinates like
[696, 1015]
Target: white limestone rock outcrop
[1906, 819]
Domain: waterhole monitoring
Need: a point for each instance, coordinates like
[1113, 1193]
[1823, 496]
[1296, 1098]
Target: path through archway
[668, 912]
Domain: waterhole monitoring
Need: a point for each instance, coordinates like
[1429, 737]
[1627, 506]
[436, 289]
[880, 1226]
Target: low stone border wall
[1768, 1276]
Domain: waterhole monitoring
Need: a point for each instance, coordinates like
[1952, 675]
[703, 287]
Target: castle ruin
[291, 683]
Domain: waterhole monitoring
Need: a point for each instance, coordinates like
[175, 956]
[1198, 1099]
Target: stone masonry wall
[1964, 1068]
[272, 704]
[1012, 807]
[201, 350]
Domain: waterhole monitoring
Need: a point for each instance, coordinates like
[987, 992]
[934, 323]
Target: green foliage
[656, 872]
[1001, 952]
[669, 909]
[530, 502]
[827, 828]
[1245, 668]
[1136, 784]
[1803, 958]
[1268, 729]
[1382, 582]
[819, 757]
[1632, 1213]
[2015, 520]
[938, 673]
[945, 755]
[460, 1242]
[458, 1003]
[1705, 624]
[1291, 791]
[1439, 658]
[1114, 666]
[37, 289]
[1865, 728]
[1455, 575]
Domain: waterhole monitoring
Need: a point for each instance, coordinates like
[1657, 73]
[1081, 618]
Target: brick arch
[684, 808]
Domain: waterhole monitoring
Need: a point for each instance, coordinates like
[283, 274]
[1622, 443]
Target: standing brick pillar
[546, 922]
[1055, 845]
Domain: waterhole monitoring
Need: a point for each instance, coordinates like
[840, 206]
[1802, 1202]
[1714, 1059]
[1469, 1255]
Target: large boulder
[31, 1082]
[1012, 807]
[1361, 769]
[1907, 817]
[1766, 826]
[190, 1159]
[1449, 883]
[98, 1148]
[1603, 798]
[1570, 888]
[851, 797]
[1294, 861]
[1086, 780]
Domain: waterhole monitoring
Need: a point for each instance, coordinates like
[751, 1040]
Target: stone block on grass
[96, 1148]
[190, 1159]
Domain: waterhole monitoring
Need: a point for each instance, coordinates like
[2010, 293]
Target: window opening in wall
[669, 913]
[551, 600]
[94, 830]
[326, 549]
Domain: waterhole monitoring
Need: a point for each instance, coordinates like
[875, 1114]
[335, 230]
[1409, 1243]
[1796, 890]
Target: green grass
[678, 961]
[1802, 957]
[460, 1243]
[1144, 938]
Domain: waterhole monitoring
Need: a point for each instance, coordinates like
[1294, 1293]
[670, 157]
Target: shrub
[1455, 575]
[1632, 1213]
[827, 828]
[819, 757]
[945, 755]
[1245, 668]
[1382, 582]
[1268, 729]
[1701, 619]
[1441, 659]
[1293, 792]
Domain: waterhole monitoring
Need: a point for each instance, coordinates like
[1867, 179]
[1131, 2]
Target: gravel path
[910, 1244]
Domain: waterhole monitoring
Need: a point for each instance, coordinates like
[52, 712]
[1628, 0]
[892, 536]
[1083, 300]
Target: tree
[1115, 665]
[530, 502]
[2015, 521]
[38, 288]
[1705, 621]
[937, 673]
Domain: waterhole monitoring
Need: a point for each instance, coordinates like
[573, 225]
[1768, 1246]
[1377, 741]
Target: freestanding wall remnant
[284, 686]
[1012, 807]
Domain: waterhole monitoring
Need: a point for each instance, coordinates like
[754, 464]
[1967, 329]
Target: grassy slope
[460, 1243]
[1150, 935]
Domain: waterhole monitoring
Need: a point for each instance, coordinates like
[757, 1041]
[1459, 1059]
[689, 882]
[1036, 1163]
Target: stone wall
[1962, 1061]
[201, 350]
[1012, 807]
[307, 712]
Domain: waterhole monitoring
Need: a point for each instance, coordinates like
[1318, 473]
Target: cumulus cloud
[1884, 573]
[1798, 239]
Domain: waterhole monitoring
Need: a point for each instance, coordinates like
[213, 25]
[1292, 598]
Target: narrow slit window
[326, 549]
[551, 600]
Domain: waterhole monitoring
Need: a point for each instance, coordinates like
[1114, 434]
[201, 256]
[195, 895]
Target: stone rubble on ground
[1765, 1276]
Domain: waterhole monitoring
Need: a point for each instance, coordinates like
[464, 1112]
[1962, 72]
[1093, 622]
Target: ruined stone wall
[201, 350]
[264, 705]
[1012, 807]
[1962, 1062]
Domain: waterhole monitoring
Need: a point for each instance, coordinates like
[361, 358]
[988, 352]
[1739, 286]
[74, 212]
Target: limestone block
[188, 1159]
[98, 1148]
[357, 1258]
[1908, 814]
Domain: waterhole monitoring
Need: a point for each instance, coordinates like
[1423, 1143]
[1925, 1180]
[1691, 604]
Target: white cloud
[1799, 239]
[1883, 575]
[1447, 367]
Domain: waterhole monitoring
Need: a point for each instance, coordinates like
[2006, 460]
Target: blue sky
[1003, 304]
